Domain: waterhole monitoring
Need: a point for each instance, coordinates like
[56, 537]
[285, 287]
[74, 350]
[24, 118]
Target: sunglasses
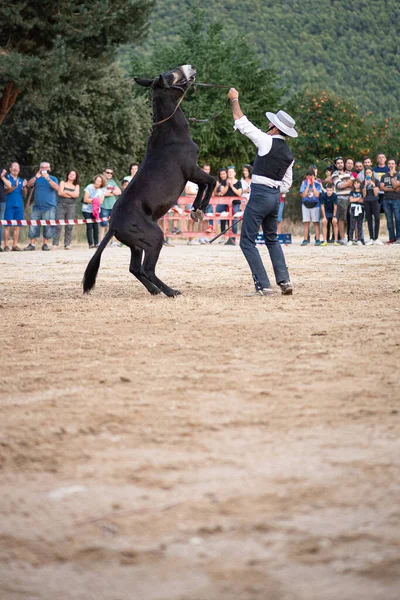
[109, 173]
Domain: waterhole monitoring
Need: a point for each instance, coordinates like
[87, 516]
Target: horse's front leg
[206, 185]
[196, 214]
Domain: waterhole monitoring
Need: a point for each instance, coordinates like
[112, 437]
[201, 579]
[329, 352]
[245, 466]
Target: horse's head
[180, 77]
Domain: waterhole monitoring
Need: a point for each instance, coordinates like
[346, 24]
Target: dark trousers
[222, 208]
[262, 209]
[373, 214]
[392, 211]
[65, 210]
[356, 220]
[92, 230]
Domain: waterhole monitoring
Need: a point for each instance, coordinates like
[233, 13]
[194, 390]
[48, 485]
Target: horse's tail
[89, 278]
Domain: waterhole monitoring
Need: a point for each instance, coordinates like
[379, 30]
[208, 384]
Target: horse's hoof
[155, 291]
[197, 215]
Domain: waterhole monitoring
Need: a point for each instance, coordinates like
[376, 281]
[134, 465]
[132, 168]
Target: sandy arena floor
[211, 447]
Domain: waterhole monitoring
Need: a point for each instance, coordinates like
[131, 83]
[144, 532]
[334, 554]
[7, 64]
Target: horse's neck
[169, 111]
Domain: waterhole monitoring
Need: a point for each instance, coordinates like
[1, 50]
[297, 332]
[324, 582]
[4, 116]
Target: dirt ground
[211, 447]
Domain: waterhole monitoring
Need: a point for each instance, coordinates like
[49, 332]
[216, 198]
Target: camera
[43, 172]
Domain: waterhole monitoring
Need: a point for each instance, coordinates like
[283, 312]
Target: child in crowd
[356, 212]
[328, 201]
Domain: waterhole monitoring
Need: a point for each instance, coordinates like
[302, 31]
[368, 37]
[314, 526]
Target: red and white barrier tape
[53, 222]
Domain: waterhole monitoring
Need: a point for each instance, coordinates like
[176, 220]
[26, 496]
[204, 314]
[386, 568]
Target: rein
[193, 119]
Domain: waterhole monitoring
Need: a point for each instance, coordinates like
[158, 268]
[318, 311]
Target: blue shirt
[15, 199]
[311, 197]
[45, 196]
[329, 202]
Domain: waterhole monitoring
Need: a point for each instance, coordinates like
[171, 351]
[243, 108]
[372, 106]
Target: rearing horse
[170, 161]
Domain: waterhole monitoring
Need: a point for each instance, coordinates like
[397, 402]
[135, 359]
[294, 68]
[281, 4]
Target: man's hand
[46, 176]
[233, 94]
[24, 183]
[3, 173]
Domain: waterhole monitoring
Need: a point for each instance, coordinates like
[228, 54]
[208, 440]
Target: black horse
[170, 161]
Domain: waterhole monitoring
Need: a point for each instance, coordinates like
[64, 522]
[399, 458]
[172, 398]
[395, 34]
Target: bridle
[185, 91]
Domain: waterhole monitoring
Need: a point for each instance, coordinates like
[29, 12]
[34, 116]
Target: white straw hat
[283, 122]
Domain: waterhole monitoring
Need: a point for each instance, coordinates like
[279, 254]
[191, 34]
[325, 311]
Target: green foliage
[350, 48]
[76, 107]
[222, 61]
[327, 126]
[82, 124]
[40, 41]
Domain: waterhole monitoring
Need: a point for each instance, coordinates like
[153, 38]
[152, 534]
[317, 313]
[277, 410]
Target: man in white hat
[272, 174]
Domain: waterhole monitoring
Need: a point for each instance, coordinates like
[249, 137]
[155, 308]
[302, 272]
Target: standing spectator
[68, 192]
[380, 169]
[246, 181]
[371, 205]
[44, 205]
[328, 201]
[356, 213]
[97, 190]
[222, 189]
[358, 167]
[5, 184]
[317, 179]
[280, 213]
[113, 191]
[310, 191]
[390, 186]
[14, 205]
[349, 166]
[191, 189]
[328, 174]
[235, 189]
[205, 226]
[343, 182]
[367, 163]
[133, 169]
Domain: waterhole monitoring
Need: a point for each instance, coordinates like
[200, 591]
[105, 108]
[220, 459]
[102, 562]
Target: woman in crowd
[234, 190]
[356, 213]
[371, 205]
[246, 181]
[221, 189]
[68, 192]
[93, 191]
[133, 169]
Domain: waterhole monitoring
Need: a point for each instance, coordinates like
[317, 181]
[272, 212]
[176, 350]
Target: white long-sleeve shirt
[263, 141]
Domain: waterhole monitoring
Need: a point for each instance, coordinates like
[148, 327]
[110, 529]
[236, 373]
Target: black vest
[274, 164]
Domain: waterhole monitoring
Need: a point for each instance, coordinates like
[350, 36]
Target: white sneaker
[369, 243]
[359, 243]
[224, 214]
[192, 243]
[378, 242]
[349, 243]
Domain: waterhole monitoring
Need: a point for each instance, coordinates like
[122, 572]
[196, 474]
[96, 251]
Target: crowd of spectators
[350, 193]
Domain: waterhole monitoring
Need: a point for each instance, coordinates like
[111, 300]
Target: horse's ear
[143, 82]
[161, 82]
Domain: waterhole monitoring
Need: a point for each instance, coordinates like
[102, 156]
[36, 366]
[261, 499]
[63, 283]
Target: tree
[328, 125]
[81, 124]
[42, 41]
[222, 61]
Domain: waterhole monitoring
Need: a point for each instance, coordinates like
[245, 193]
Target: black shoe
[30, 247]
[44, 247]
[230, 242]
[1, 249]
[286, 288]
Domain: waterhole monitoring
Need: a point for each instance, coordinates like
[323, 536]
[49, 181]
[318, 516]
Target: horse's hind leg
[135, 268]
[151, 256]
